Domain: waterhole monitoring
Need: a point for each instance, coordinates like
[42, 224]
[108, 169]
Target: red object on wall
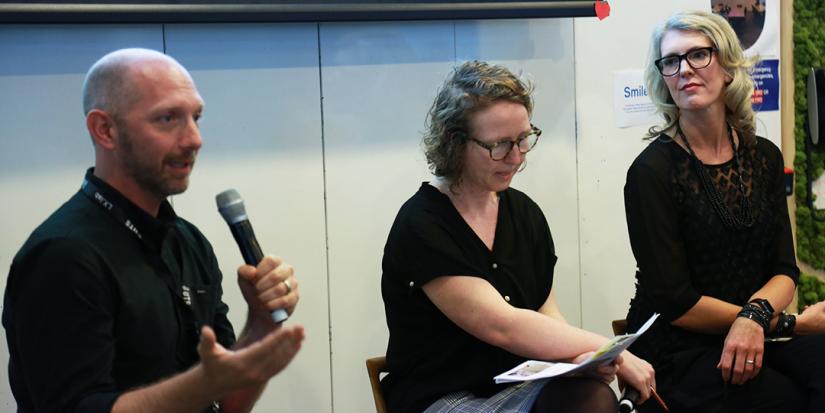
[602, 9]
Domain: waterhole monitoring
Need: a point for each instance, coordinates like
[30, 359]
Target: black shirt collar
[153, 230]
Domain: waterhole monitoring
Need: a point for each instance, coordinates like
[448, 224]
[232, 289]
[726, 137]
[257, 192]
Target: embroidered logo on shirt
[133, 228]
[103, 201]
[187, 297]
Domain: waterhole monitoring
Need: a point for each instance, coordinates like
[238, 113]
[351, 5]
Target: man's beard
[144, 173]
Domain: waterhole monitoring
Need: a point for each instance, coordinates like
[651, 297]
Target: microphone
[230, 205]
[629, 398]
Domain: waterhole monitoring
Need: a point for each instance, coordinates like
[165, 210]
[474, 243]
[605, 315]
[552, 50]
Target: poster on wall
[631, 104]
[756, 23]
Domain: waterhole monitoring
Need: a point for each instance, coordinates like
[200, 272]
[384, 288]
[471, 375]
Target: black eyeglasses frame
[534, 130]
[684, 56]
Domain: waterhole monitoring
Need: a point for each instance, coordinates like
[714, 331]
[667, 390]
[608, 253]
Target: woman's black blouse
[428, 355]
[683, 250]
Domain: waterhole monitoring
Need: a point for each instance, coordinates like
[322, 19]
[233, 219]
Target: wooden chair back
[376, 366]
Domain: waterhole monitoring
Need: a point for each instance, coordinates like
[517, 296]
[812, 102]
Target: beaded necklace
[733, 221]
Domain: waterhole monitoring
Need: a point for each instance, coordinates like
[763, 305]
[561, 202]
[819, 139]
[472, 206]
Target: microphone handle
[629, 398]
[245, 237]
[252, 255]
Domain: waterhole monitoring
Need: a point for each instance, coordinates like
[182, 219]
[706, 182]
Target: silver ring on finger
[288, 287]
[751, 362]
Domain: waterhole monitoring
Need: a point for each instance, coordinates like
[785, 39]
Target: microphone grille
[230, 205]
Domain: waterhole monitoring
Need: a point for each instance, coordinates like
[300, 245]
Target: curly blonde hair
[737, 94]
[472, 86]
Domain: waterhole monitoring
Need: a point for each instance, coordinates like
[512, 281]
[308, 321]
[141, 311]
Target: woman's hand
[605, 373]
[742, 354]
[637, 373]
[811, 320]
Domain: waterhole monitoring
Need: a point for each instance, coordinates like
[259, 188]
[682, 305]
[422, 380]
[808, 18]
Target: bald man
[114, 302]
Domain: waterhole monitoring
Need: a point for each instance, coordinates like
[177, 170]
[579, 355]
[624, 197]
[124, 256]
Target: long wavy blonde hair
[737, 94]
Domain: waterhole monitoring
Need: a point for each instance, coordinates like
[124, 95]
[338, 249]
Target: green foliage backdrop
[811, 290]
[809, 51]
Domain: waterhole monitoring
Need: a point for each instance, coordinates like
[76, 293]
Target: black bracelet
[756, 313]
[765, 305]
[785, 325]
[759, 311]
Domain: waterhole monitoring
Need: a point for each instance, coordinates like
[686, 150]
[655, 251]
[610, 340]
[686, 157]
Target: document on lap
[534, 370]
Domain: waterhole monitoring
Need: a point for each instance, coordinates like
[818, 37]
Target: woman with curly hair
[468, 270]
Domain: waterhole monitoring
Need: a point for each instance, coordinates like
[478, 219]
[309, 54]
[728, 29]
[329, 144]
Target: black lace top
[683, 250]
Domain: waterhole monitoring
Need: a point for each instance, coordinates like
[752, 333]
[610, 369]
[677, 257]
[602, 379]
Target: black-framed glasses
[501, 149]
[697, 58]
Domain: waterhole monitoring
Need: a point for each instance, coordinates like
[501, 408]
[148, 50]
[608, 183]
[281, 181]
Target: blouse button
[495, 265]
[507, 298]
[412, 284]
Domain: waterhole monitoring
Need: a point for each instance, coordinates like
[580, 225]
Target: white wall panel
[262, 136]
[379, 81]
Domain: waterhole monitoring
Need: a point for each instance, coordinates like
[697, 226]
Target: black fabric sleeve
[653, 225]
[429, 248]
[64, 312]
[784, 260]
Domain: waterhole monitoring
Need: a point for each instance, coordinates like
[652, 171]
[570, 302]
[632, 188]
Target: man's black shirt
[103, 298]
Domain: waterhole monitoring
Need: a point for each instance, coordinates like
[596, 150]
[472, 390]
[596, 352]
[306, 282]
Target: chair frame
[619, 326]
[376, 366]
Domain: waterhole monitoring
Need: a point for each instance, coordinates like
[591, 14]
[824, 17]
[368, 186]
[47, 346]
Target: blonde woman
[709, 228]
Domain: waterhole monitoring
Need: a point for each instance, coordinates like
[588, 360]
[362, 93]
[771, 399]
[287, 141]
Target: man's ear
[102, 128]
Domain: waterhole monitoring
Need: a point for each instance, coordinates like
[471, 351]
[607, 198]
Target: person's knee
[770, 391]
[600, 398]
[573, 395]
[793, 398]
[606, 397]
